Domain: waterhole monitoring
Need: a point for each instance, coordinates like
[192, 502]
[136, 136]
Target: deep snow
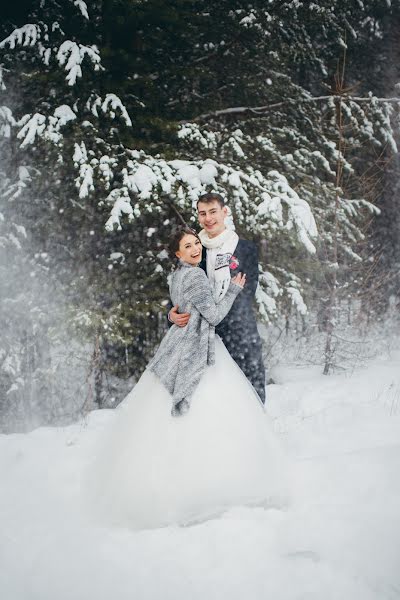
[340, 538]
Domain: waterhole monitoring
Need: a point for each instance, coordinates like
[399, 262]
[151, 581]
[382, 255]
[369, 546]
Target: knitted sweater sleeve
[198, 291]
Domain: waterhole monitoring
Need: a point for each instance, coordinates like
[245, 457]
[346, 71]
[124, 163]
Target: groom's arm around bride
[224, 255]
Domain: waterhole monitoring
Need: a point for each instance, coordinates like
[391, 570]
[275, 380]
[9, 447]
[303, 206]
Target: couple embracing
[154, 469]
[222, 255]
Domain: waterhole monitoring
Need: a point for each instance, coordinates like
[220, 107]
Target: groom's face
[212, 217]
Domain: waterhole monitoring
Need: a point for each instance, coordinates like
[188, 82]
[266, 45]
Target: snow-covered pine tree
[295, 132]
[40, 65]
[71, 126]
[123, 112]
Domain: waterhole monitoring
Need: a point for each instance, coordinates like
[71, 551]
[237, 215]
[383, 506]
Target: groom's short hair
[211, 197]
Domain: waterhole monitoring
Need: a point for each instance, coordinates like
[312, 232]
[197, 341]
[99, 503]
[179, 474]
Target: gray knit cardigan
[185, 352]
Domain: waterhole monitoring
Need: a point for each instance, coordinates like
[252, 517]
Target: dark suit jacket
[241, 318]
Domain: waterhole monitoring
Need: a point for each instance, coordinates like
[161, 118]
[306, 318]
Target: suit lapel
[203, 264]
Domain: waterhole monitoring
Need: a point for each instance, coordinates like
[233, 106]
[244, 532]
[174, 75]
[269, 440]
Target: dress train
[152, 469]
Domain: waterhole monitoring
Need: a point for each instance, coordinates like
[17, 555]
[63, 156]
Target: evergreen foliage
[116, 115]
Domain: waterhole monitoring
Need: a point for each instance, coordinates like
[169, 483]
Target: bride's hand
[239, 279]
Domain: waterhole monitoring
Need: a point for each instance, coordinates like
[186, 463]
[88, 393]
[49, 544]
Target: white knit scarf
[219, 253]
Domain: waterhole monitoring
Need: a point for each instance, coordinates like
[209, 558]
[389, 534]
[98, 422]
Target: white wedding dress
[152, 469]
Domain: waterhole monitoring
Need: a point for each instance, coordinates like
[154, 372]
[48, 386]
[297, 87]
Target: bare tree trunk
[332, 309]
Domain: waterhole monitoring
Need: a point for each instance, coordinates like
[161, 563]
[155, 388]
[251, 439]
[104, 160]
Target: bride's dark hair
[176, 237]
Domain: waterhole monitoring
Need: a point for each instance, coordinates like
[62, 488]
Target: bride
[192, 438]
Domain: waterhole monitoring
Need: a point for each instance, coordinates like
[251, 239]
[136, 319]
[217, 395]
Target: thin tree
[332, 309]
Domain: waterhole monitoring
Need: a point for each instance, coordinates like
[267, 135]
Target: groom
[225, 255]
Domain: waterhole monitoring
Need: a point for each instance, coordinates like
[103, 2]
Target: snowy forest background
[115, 115]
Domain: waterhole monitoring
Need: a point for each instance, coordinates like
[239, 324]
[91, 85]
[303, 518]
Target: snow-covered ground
[340, 539]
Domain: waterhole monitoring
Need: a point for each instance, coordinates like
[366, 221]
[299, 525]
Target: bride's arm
[198, 290]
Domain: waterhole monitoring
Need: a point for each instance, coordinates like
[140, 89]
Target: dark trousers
[244, 345]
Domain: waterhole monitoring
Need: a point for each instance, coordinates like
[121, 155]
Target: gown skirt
[152, 470]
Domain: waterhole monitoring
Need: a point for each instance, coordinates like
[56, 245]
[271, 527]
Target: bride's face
[190, 249]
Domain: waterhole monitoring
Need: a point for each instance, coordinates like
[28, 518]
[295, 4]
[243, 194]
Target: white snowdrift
[339, 539]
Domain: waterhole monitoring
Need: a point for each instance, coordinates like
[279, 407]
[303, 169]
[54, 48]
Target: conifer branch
[258, 110]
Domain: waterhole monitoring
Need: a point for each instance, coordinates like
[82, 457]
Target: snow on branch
[15, 190]
[121, 205]
[258, 110]
[192, 133]
[272, 289]
[82, 7]
[44, 53]
[27, 35]
[110, 105]
[72, 55]
[299, 213]
[84, 181]
[2, 84]
[296, 298]
[254, 199]
[33, 126]
[89, 167]
[7, 121]
[49, 128]
[267, 291]
[106, 166]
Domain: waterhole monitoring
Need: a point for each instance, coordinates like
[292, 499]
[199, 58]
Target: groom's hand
[178, 319]
[240, 280]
